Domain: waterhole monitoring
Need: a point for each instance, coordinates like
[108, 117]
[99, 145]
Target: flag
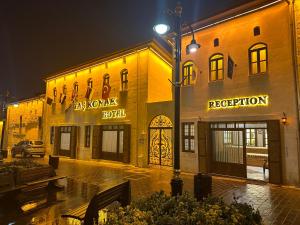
[230, 67]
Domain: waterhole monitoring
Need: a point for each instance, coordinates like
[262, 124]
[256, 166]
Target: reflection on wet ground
[278, 205]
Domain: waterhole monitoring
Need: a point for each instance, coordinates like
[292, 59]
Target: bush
[160, 209]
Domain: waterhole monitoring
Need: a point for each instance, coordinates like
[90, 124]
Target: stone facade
[235, 37]
[148, 68]
[24, 121]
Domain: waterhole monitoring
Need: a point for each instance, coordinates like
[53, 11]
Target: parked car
[28, 148]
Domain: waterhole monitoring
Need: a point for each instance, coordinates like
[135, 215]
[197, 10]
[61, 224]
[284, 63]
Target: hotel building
[240, 94]
[101, 109]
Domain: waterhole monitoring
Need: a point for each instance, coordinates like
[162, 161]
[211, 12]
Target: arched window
[258, 59]
[188, 73]
[75, 91]
[124, 79]
[256, 31]
[63, 95]
[54, 94]
[89, 90]
[216, 42]
[216, 67]
[106, 79]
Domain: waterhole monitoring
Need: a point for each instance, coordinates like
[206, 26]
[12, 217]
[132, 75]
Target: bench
[88, 212]
[33, 185]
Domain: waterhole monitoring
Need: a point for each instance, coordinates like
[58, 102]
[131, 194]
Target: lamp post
[161, 29]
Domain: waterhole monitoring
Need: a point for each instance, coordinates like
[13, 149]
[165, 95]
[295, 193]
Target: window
[52, 135]
[188, 73]
[216, 42]
[106, 79]
[87, 139]
[75, 92]
[124, 79]
[188, 137]
[250, 137]
[89, 90]
[54, 94]
[63, 95]
[216, 67]
[256, 31]
[258, 59]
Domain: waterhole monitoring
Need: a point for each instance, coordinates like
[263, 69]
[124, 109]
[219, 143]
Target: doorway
[160, 141]
[246, 149]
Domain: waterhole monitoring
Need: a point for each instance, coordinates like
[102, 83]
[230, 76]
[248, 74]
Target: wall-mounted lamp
[284, 119]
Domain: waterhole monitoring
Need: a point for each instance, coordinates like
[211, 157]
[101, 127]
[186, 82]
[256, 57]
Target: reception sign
[238, 102]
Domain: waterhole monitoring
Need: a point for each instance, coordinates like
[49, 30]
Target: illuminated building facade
[103, 109]
[24, 121]
[239, 96]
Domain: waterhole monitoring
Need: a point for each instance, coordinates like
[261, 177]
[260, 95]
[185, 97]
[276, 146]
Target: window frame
[124, 79]
[87, 136]
[258, 61]
[187, 79]
[106, 79]
[211, 60]
[188, 137]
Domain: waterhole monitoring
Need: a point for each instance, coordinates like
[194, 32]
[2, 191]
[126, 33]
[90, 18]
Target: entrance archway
[160, 141]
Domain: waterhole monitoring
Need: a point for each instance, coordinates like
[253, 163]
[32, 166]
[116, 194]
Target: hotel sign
[95, 104]
[229, 103]
[113, 114]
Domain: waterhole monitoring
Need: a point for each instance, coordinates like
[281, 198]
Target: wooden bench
[33, 185]
[88, 212]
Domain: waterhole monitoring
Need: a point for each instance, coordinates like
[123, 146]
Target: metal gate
[160, 141]
[229, 152]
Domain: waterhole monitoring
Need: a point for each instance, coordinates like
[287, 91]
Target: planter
[6, 180]
[25, 175]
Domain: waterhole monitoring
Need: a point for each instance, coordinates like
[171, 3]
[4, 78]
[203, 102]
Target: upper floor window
[124, 79]
[89, 90]
[256, 31]
[216, 67]
[75, 91]
[258, 59]
[63, 95]
[106, 79]
[188, 73]
[54, 94]
[216, 42]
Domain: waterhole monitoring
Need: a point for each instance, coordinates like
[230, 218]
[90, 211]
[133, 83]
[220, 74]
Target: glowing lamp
[284, 119]
[16, 105]
[161, 28]
[192, 47]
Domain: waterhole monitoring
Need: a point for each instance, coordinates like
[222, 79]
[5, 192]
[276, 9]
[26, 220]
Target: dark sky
[40, 37]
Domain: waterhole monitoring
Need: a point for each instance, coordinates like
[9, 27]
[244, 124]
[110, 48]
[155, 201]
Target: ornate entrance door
[160, 141]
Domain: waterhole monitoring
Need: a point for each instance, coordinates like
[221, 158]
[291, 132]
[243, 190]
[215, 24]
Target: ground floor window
[188, 137]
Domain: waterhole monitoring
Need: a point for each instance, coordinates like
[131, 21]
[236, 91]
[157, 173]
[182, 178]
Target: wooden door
[203, 146]
[96, 142]
[56, 140]
[274, 148]
[126, 143]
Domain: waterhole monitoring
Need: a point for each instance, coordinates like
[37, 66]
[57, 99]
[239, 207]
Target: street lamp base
[176, 184]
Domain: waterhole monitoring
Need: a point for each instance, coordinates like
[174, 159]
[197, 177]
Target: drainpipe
[296, 73]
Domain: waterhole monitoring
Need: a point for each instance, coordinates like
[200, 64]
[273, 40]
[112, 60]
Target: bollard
[54, 161]
[202, 186]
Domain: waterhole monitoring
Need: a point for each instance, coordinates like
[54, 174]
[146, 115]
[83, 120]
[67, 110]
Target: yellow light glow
[113, 114]
[239, 102]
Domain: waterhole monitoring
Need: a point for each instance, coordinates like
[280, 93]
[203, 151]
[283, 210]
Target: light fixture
[284, 119]
[161, 28]
[193, 46]
[16, 105]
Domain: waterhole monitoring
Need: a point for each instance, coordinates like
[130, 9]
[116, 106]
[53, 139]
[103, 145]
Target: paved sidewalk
[278, 205]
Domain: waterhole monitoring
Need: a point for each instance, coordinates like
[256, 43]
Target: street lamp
[161, 29]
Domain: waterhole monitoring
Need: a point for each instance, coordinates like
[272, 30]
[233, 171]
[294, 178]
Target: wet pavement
[278, 205]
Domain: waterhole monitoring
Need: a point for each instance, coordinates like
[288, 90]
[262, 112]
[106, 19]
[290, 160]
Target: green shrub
[160, 209]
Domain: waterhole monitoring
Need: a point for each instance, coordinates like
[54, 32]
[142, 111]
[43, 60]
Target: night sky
[38, 38]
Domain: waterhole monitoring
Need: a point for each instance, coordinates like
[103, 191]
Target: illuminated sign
[251, 101]
[113, 114]
[95, 104]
